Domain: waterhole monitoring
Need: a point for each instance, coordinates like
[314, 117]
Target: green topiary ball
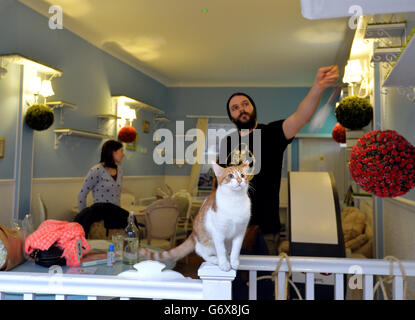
[39, 117]
[354, 112]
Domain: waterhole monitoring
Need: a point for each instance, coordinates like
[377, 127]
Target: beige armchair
[161, 219]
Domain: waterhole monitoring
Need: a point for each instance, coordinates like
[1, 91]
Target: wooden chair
[183, 201]
[161, 219]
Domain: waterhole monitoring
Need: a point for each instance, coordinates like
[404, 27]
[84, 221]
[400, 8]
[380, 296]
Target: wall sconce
[38, 87]
[132, 115]
[46, 89]
[354, 75]
[353, 72]
[35, 85]
[126, 113]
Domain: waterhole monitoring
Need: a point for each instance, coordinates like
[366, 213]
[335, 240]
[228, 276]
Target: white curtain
[202, 124]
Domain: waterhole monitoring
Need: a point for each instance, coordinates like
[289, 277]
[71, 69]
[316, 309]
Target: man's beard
[250, 124]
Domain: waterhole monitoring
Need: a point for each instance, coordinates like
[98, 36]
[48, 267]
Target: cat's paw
[224, 266]
[235, 264]
[212, 259]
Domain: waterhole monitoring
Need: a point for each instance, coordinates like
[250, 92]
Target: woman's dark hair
[238, 94]
[106, 153]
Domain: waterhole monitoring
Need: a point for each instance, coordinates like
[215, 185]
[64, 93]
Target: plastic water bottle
[110, 256]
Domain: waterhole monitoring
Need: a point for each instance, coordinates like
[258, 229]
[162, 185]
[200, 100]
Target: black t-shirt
[264, 148]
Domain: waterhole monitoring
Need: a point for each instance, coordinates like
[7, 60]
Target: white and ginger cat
[219, 227]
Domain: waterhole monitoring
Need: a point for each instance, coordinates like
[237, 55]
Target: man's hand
[326, 77]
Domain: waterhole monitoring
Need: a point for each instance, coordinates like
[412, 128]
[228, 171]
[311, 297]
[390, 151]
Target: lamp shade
[35, 85]
[132, 115]
[127, 134]
[46, 90]
[353, 71]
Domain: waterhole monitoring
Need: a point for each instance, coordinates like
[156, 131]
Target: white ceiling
[210, 43]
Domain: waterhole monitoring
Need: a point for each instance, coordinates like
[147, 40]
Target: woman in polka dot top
[104, 179]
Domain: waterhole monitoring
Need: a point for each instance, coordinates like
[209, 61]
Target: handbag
[11, 248]
[50, 257]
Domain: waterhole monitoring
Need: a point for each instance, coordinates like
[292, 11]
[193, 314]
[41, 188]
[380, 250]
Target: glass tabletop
[98, 269]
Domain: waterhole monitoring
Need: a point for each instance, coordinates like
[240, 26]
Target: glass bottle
[131, 239]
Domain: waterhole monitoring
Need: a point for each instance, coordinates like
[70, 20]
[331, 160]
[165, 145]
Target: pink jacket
[65, 234]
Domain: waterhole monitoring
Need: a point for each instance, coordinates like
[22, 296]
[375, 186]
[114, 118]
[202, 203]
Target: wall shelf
[134, 103]
[108, 116]
[385, 54]
[59, 133]
[60, 105]
[403, 73]
[25, 61]
[161, 119]
[385, 30]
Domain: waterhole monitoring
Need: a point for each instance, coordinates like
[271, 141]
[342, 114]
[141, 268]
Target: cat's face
[233, 178]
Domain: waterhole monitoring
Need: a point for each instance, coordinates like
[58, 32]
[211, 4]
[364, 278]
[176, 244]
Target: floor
[189, 268]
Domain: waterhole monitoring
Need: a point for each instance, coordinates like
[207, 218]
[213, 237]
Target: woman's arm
[91, 179]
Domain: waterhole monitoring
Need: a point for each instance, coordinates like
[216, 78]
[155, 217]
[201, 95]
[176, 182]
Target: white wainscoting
[6, 201]
[60, 195]
[177, 182]
[324, 154]
[398, 233]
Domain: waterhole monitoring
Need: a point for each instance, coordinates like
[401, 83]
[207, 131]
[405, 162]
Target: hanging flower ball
[127, 134]
[354, 113]
[39, 117]
[339, 133]
[383, 163]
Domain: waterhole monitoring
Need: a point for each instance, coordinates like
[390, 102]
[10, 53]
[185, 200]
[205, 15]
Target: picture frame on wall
[2, 147]
[146, 126]
[132, 145]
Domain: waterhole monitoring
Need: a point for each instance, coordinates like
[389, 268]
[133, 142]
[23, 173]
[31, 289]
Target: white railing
[360, 269]
[213, 284]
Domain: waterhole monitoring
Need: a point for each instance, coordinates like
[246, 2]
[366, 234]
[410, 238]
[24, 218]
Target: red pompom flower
[127, 134]
[383, 163]
[339, 133]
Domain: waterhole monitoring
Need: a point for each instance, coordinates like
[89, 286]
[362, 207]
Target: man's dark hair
[106, 153]
[238, 94]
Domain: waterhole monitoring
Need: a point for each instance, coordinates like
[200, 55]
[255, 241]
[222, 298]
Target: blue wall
[90, 77]
[9, 101]
[272, 104]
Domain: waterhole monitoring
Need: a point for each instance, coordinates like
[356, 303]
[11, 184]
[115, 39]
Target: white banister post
[217, 284]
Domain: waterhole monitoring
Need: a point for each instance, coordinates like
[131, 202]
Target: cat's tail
[173, 254]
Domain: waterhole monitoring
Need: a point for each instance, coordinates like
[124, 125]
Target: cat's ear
[245, 166]
[245, 163]
[218, 169]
